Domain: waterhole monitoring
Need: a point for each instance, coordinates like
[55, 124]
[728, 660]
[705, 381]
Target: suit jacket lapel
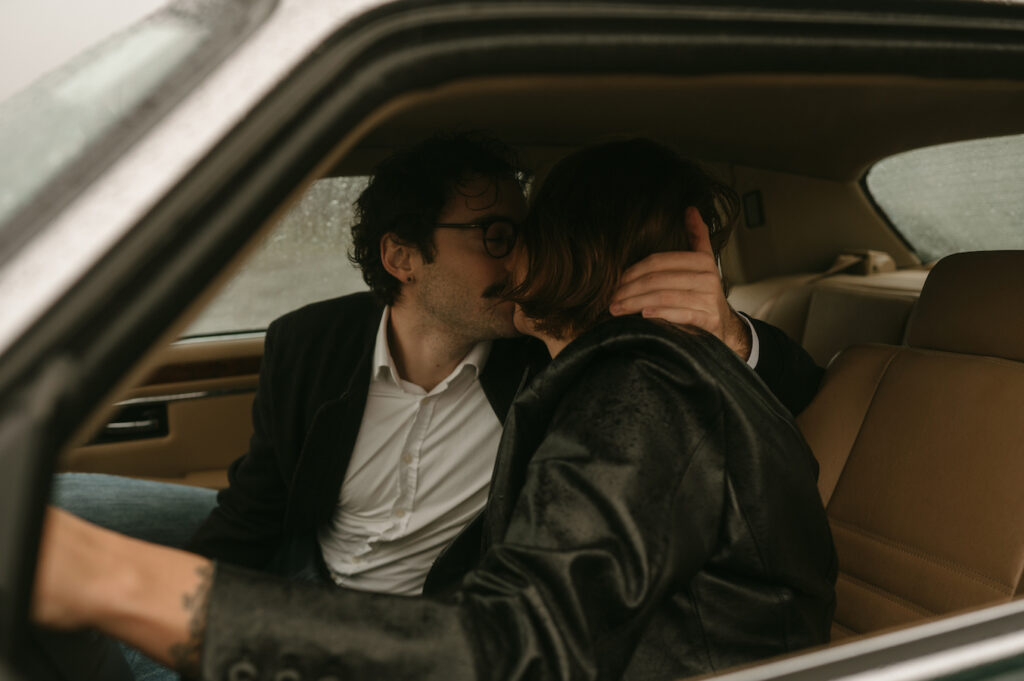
[327, 450]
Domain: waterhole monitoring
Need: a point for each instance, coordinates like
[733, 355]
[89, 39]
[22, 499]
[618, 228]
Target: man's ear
[400, 259]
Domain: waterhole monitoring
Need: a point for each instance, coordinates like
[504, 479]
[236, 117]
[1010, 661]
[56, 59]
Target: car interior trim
[183, 397]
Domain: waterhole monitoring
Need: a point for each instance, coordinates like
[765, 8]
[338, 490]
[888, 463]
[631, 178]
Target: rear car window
[950, 198]
[303, 260]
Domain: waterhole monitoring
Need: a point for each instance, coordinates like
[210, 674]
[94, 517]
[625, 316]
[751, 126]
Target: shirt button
[399, 513]
[406, 458]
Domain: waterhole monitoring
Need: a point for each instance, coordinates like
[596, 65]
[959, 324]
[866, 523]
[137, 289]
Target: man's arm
[151, 595]
[685, 288]
[161, 601]
[786, 368]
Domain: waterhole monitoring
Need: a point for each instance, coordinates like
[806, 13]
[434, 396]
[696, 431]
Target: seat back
[921, 449]
[827, 314]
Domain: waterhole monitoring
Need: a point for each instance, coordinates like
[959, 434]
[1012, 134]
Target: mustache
[496, 290]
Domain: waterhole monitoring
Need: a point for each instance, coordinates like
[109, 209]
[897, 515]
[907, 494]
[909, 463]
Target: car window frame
[64, 365]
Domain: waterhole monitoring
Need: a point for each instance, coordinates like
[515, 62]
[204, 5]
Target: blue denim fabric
[157, 512]
[145, 668]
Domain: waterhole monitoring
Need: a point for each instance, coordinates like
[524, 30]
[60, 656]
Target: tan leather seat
[828, 314]
[922, 452]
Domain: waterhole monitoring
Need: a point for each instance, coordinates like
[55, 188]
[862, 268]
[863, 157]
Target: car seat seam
[1018, 590]
[887, 595]
[957, 568]
[860, 428]
[845, 629]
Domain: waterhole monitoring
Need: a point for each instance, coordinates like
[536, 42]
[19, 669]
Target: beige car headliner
[830, 127]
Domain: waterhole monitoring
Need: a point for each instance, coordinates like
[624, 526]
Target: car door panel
[186, 422]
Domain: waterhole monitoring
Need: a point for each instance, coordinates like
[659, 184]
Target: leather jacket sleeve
[246, 525]
[617, 505]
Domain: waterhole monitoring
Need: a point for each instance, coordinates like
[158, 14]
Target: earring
[409, 279]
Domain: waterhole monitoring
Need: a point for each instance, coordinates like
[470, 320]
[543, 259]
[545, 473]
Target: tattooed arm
[91, 577]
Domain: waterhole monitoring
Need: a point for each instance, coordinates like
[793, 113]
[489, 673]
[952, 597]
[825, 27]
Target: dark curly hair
[409, 189]
[600, 210]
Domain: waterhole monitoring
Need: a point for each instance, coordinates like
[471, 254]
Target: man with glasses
[378, 415]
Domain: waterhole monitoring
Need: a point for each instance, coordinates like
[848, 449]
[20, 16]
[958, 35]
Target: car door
[245, 144]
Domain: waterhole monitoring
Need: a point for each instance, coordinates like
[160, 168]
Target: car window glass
[37, 36]
[60, 132]
[46, 126]
[964, 196]
[303, 260]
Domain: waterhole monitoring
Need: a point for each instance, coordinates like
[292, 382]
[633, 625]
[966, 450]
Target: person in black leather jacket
[653, 512]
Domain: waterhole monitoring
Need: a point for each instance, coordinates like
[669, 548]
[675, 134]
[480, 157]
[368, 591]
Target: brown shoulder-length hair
[601, 210]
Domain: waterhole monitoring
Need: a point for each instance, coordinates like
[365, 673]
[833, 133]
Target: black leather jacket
[653, 514]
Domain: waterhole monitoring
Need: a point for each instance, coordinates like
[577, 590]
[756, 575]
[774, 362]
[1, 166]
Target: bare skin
[91, 577]
[684, 288]
[448, 305]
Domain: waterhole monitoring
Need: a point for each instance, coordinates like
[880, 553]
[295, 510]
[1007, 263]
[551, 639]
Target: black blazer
[308, 408]
[643, 543]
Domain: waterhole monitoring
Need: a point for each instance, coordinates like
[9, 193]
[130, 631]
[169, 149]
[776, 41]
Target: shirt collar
[384, 365]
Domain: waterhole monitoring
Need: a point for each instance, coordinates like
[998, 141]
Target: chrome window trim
[220, 338]
[185, 397]
[927, 651]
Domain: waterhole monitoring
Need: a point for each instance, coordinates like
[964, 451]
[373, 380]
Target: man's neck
[424, 351]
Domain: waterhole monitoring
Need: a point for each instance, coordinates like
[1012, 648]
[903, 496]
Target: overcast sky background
[38, 35]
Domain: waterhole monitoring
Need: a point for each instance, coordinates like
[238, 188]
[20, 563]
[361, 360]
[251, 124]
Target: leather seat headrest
[972, 303]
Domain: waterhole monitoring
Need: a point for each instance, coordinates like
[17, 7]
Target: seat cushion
[921, 468]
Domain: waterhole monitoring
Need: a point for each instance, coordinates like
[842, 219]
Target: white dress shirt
[419, 472]
[755, 344]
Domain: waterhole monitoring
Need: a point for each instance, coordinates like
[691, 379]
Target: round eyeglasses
[499, 234]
